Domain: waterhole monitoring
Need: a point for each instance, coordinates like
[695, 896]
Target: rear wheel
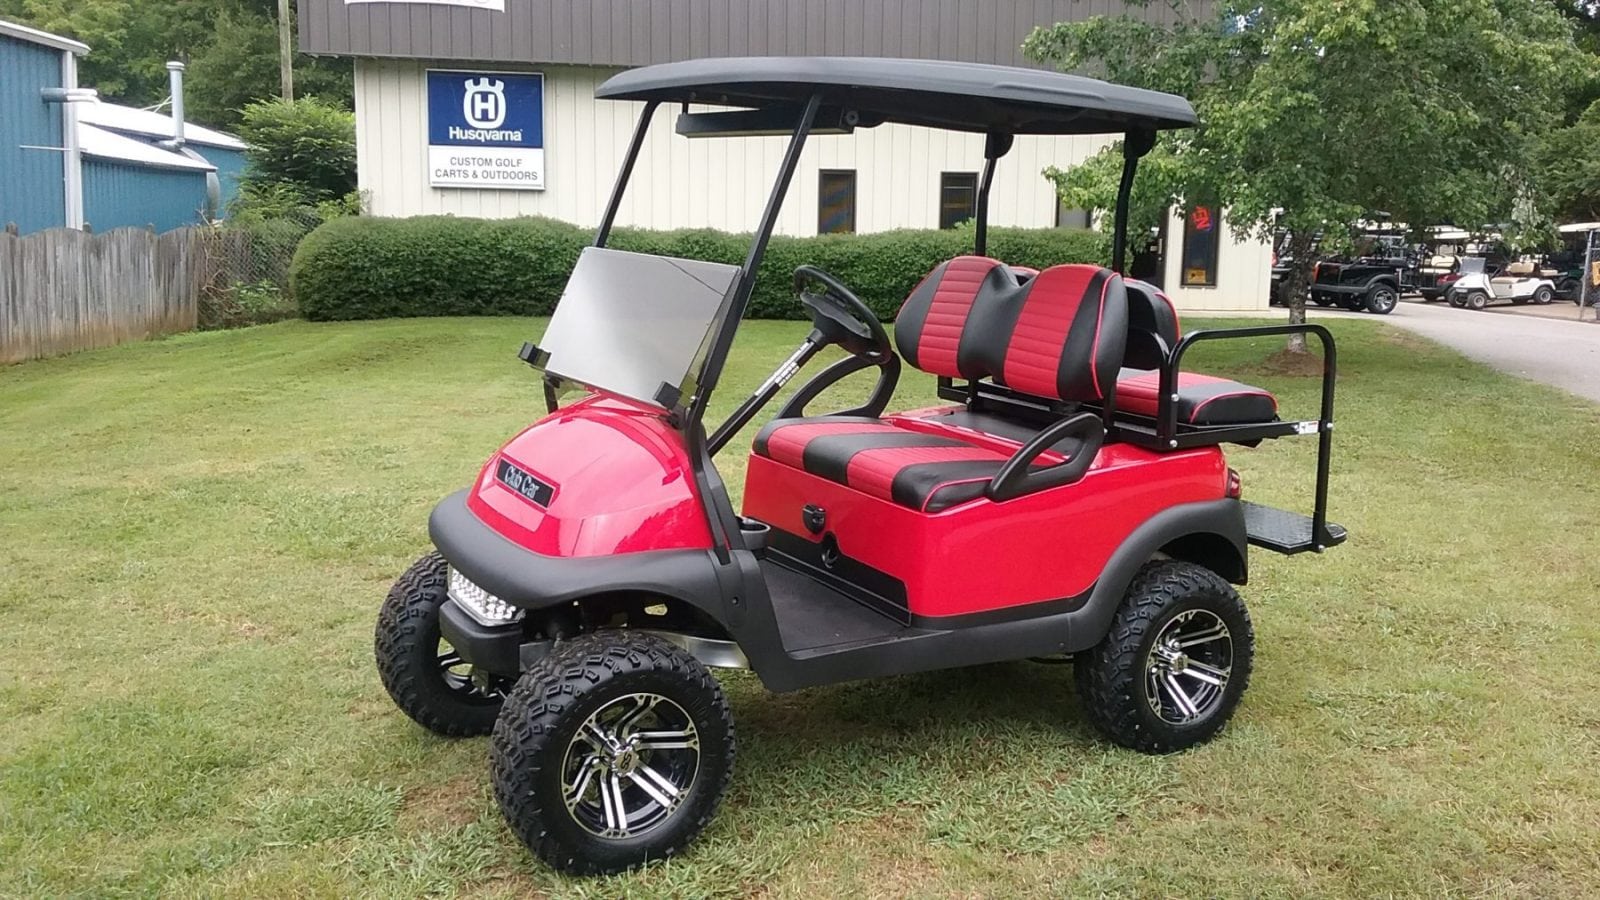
[1171, 670]
[423, 674]
[1382, 299]
[1544, 295]
[611, 752]
[1477, 300]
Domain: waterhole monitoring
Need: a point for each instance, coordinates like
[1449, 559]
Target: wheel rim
[465, 680]
[630, 766]
[1188, 667]
[1383, 300]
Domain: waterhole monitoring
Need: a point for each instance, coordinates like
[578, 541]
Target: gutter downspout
[72, 154]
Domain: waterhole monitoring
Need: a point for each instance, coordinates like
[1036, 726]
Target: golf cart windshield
[629, 323]
[1472, 265]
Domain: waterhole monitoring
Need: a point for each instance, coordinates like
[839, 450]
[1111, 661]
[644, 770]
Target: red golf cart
[1069, 496]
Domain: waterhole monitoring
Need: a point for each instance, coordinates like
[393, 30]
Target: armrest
[1018, 478]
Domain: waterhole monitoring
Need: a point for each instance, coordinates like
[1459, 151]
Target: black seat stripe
[829, 456]
[913, 485]
[759, 445]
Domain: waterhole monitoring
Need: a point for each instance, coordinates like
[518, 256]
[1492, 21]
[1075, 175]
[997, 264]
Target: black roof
[952, 95]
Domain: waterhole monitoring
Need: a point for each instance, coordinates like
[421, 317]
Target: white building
[876, 179]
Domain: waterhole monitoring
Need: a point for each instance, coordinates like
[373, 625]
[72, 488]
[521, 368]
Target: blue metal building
[67, 159]
[38, 157]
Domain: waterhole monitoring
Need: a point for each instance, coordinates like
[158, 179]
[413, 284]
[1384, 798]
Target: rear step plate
[1282, 531]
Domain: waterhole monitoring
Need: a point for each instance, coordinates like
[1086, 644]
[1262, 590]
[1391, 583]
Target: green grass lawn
[195, 535]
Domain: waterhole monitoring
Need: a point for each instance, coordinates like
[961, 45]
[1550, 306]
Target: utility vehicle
[1520, 282]
[1068, 496]
[1370, 283]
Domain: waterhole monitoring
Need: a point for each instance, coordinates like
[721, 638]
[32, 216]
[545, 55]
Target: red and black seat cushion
[1202, 399]
[931, 329]
[925, 472]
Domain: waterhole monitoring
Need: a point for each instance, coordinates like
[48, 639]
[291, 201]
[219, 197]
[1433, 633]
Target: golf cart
[1068, 496]
[1569, 261]
[1520, 282]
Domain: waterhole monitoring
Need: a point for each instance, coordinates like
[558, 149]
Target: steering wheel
[841, 318]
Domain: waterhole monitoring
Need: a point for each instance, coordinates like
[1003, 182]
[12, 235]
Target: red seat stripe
[873, 471]
[940, 338]
[1033, 356]
[788, 444]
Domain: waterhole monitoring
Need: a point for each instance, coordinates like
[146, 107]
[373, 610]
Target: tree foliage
[304, 145]
[231, 47]
[1569, 167]
[1315, 112]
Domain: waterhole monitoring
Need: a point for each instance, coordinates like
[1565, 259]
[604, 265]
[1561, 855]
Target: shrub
[364, 268]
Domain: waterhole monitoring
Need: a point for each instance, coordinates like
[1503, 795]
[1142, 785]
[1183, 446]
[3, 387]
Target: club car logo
[484, 108]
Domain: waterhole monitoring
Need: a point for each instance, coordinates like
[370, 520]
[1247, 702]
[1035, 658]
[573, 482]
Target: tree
[1313, 113]
[306, 144]
[1569, 167]
[231, 47]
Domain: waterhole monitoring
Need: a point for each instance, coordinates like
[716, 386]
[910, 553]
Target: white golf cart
[1520, 282]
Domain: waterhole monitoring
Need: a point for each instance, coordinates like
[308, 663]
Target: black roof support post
[996, 145]
[634, 146]
[1135, 144]
[724, 522]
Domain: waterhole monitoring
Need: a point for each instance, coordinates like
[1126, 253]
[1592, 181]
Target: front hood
[600, 477]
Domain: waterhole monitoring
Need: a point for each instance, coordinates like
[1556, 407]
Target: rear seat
[1202, 399]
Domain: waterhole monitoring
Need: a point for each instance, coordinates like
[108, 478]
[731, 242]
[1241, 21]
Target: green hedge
[368, 268]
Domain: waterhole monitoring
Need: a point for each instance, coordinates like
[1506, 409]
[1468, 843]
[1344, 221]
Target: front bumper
[531, 580]
[497, 648]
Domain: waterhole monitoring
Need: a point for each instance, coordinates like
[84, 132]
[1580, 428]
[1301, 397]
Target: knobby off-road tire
[545, 741]
[1168, 600]
[416, 671]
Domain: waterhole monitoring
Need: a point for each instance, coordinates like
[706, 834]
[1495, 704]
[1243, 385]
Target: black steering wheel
[840, 317]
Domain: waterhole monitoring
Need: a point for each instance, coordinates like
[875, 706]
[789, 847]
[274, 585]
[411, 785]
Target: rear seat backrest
[1150, 312]
[1062, 334]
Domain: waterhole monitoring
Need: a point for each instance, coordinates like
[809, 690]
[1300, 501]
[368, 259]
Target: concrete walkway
[1545, 344]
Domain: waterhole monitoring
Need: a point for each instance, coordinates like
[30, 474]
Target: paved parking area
[1544, 344]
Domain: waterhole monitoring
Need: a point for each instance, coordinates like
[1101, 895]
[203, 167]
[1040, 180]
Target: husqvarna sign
[486, 130]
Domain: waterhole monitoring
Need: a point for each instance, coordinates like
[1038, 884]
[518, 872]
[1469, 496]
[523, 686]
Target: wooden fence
[64, 290]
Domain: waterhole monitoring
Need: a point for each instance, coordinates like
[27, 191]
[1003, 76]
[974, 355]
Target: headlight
[480, 604]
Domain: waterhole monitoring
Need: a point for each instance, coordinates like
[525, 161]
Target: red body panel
[980, 555]
[622, 483]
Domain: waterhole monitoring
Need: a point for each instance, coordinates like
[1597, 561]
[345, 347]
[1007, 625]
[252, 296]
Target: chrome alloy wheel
[1187, 668]
[630, 766]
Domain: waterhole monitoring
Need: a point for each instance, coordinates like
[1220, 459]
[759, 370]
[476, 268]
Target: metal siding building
[117, 195]
[897, 171]
[32, 168]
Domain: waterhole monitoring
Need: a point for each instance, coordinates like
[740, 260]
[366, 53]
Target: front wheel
[423, 674]
[1382, 299]
[612, 752]
[1177, 659]
[1477, 300]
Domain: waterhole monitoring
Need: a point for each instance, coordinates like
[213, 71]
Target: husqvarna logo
[484, 107]
[485, 103]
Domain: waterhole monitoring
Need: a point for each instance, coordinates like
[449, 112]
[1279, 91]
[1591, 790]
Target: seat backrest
[1520, 267]
[1150, 312]
[931, 326]
[1061, 334]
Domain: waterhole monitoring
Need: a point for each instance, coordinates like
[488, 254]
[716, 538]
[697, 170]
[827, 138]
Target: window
[958, 198]
[1201, 236]
[1070, 217]
[836, 201]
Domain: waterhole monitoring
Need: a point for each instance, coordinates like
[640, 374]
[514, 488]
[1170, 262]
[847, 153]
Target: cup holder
[757, 534]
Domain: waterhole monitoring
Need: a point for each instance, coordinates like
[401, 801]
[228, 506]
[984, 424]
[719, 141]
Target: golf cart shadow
[914, 712]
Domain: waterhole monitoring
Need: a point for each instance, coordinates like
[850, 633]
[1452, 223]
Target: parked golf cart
[1069, 495]
[1373, 284]
[1567, 262]
[1520, 282]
